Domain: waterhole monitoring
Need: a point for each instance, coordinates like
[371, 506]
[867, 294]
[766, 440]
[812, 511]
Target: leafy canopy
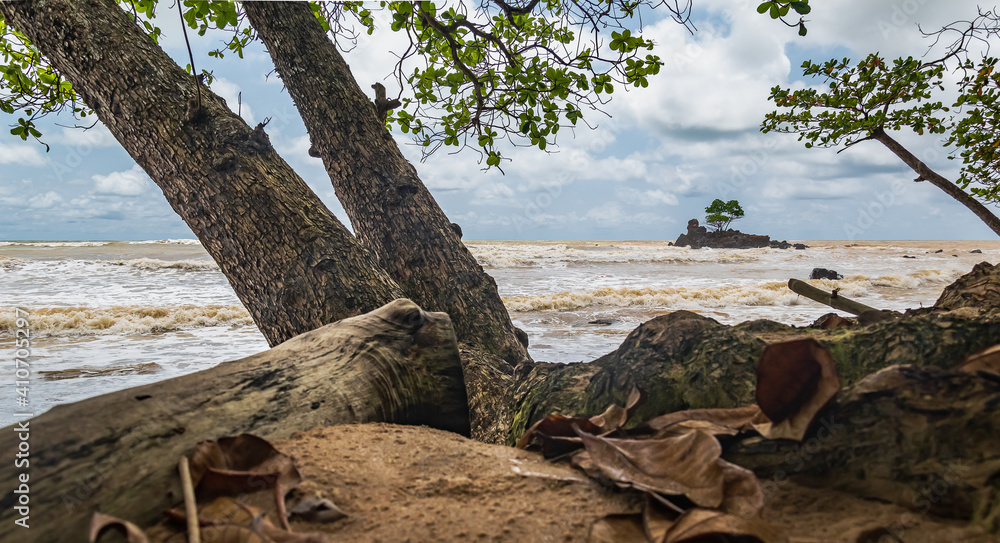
[486, 70]
[856, 101]
[721, 214]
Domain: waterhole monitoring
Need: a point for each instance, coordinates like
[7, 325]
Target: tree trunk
[292, 264]
[927, 174]
[686, 361]
[117, 453]
[925, 439]
[393, 213]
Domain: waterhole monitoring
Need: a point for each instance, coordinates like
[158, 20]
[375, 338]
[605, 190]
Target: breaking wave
[775, 293]
[516, 255]
[130, 319]
[156, 264]
[54, 243]
[113, 371]
[166, 242]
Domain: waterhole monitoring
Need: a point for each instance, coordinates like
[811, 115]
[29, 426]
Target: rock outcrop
[823, 273]
[698, 236]
[979, 288]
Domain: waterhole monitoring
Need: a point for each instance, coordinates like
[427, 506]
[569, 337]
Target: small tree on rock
[722, 214]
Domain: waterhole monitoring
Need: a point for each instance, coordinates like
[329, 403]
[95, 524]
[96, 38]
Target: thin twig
[194, 72]
[190, 505]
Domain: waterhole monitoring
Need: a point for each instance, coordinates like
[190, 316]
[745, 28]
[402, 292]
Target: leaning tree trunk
[292, 264]
[939, 181]
[118, 453]
[392, 211]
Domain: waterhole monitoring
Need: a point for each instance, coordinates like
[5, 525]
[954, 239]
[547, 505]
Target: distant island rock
[698, 236]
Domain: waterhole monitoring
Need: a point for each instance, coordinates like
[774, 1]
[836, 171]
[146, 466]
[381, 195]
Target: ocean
[109, 315]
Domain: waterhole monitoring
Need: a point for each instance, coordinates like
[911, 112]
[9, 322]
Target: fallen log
[827, 298]
[926, 439]
[687, 361]
[117, 453]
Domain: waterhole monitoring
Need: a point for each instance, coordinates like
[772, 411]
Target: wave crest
[126, 320]
[156, 264]
[774, 293]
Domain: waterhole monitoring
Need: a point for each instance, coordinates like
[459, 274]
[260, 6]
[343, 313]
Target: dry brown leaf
[233, 534]
[636, 399]
[316, 509]
[657, 519]
[613, 418]
[244, 463]
[246, 523]
[231, 466]
[878, 535]
[744, 497]
[683, 465]
[717, 421]
[617, 529]
[698, 525]
[986, 360]
[100, 522]
[795, 380]
[554, 426]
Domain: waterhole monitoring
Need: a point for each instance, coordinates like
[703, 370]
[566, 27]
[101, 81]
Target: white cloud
[230, 92]
[131, 182]
[82, 140]
[45, 200]
[23, 154]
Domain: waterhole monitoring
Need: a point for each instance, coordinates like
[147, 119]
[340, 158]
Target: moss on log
[924, 438]
[688, 361]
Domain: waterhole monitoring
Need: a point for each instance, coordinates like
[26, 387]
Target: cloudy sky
[664, 154]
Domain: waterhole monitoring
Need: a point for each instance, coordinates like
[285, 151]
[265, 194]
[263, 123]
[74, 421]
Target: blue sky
[664, 154]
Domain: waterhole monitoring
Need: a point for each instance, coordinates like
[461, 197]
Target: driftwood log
[118, 453]
[827, 298]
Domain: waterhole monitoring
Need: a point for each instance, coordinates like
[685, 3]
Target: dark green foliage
[488, 71]
[722, 214]
[861, 99]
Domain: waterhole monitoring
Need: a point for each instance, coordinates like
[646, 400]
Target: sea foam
[771, 293]
[156, 264]
[125, 320]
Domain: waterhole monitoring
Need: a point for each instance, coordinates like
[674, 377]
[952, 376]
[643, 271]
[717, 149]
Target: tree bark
[927, 174]
[925, 439]
[118, 453]
[837, 302]
[392, 212]
[686, 361]
[292, 264]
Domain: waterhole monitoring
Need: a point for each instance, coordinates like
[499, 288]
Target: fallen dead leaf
[617, 529]
[244, 463]
[237, 522]
[744, 497]
[986, 360]
[100, 522]
[716, 421]
[682, 465]
[702, 525]
[231, 466]
[795, 380]
[316, 509]
[554, 426]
